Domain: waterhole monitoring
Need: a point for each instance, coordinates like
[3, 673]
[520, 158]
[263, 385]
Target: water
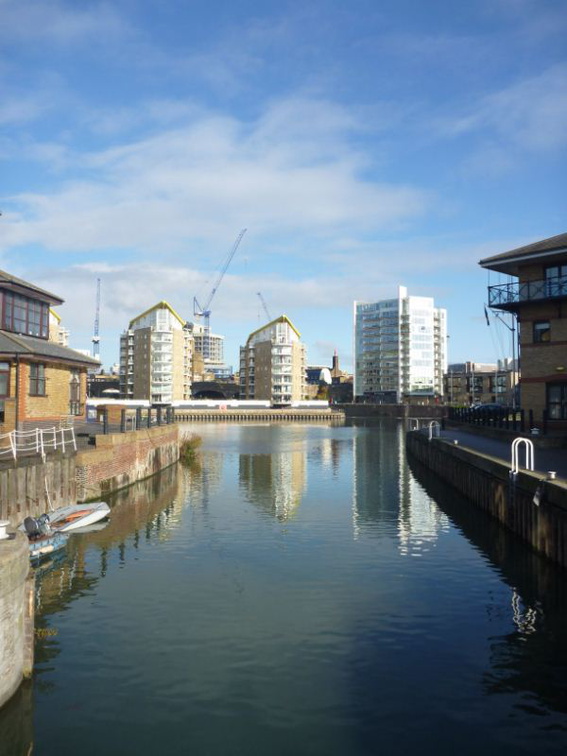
[302, 591]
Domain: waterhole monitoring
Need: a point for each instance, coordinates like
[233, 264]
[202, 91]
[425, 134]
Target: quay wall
[527, 504]
[16, 615]
[396, 411]
[258, 416]
[32, 486]
[120, 459]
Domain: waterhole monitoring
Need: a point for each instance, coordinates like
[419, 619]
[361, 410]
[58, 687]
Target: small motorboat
[42, 540]
[77, 516]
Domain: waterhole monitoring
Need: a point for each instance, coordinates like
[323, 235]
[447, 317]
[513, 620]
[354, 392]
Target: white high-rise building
[400, 349]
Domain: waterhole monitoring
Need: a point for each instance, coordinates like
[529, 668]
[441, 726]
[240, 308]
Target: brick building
[41, 382]
[538, 300]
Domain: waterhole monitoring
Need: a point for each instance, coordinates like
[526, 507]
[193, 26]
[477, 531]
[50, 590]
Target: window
[37, 379]
[556, 280]
[75, 393]
[4, 379]
[4, 386]
[557, 401]
[24, 315]
[541, 331]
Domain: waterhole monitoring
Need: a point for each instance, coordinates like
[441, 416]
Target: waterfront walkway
[545, 459]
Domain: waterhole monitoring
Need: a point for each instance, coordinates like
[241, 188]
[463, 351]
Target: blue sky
[364, 145]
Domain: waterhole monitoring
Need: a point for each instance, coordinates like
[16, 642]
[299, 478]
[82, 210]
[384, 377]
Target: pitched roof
[508, 262]
[29, 346]
[8, 281]
[163, 305]
[281, 319]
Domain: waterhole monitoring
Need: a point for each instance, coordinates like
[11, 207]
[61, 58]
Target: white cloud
[58, 22]
[275, 175]
[530, 114]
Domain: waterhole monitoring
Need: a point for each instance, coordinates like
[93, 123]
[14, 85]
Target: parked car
[493, 407]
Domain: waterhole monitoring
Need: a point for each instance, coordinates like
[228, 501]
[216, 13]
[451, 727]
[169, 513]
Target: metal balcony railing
[508, 296]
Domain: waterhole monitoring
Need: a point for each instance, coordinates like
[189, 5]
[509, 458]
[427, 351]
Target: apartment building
[273, 364]
[42, 382]
[470, 383]
[155, 356]
[211, 348]
[400, 349]
[535, 293]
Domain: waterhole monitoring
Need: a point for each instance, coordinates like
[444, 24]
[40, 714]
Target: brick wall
[120, 459]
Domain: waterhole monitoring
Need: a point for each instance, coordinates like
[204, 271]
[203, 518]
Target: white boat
[77, 516]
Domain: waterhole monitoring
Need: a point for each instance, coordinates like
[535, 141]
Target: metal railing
[508, 294]
[36, 442]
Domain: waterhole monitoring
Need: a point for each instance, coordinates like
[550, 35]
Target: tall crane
[205, 312]
[96, 337]
[259, 293]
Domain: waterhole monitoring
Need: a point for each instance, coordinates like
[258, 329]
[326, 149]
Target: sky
[363, 145]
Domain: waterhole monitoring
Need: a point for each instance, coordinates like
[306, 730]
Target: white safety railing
[412, 424]
[37, 441]
[434, 429]
[529, 454]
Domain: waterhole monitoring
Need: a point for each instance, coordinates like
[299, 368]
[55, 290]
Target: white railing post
[529, 456]
[14, 444]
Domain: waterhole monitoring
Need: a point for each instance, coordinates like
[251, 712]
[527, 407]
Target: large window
[24, 315]
[557, 401]
[37, 379]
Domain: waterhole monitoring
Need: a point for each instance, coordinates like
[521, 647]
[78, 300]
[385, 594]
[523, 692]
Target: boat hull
[44, 545]
[78, 516]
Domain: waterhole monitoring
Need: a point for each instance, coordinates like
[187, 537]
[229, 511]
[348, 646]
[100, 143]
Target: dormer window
[24, 315]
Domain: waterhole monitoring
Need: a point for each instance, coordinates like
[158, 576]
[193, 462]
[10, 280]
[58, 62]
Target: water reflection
[537, 639]
[390, 494]
[147, 511]
[274, 482]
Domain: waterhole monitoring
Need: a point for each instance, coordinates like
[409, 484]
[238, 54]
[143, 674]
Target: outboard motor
[31, 526]
[35, 527]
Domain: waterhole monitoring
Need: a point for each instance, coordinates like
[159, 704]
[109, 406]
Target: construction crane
[96, 337]
[259, 293]
[205, 312]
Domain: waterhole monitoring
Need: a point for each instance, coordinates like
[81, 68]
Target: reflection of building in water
[420, 520]
[386, 492]
[146, 511]
[330, 453]
[376, 462]
[275, 482]
[205, 480]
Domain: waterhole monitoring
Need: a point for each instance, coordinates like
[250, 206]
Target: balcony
[512, 295]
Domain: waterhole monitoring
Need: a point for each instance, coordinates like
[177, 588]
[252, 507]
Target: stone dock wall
[527, 504]
[16, 615]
